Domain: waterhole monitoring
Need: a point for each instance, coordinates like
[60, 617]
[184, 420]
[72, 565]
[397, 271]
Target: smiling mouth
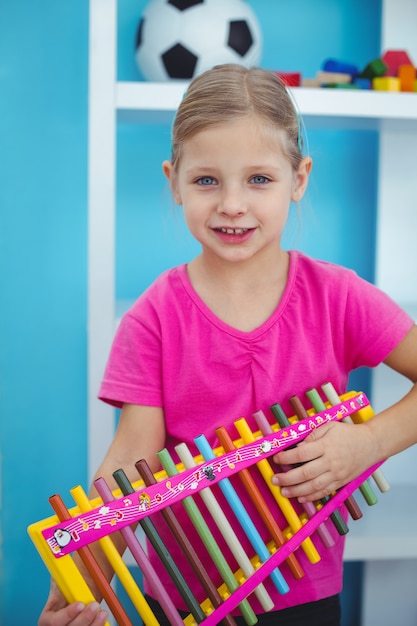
[233, 231]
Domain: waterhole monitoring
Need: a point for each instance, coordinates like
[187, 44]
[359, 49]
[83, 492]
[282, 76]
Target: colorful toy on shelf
[393, 59]
[69, 531]
[179, 39]
[407, 77]
[393, 71]
[291, 79]
[386, 83]
[373, 69]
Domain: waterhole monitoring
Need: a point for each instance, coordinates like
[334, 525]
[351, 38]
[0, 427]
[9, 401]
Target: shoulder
[354, 307]
[311, 277]
[337, 290]
[318, 269]
[163, 292]
[338, 283]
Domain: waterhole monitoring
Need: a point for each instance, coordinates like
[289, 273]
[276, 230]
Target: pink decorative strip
[85, 528]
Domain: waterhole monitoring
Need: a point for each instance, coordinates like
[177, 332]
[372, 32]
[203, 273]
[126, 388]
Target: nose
[232, 202]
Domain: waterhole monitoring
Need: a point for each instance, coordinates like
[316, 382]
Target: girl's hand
[331, 456]
[57, 612]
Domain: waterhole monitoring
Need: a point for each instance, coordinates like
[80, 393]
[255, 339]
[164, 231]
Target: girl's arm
[140, 435]
[336, 453]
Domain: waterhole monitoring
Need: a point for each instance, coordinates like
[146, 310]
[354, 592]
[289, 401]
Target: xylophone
[58, 537]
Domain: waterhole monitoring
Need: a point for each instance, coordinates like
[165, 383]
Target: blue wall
[43, 130]
[43, 217]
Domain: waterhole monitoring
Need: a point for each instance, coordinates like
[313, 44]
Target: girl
[246, 324]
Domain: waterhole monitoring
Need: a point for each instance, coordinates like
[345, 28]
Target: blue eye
[205, 180]
[259, 180]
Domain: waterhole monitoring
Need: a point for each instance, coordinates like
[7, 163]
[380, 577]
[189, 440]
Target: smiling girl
[247, 324]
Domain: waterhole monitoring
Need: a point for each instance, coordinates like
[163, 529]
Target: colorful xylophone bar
[69, 531]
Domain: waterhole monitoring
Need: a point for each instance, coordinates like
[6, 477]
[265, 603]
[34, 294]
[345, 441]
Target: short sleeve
[133, 371]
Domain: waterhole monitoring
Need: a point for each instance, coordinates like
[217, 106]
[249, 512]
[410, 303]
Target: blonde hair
[230, 91]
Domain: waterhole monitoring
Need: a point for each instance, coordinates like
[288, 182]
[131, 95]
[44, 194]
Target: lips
[233, 231]
[233, 236]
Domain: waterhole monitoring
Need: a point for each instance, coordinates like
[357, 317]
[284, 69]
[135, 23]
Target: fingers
[295, 485]
[75, 614]
[57, 612]
[315, 469]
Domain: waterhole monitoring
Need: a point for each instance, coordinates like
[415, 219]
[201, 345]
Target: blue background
[43, 234]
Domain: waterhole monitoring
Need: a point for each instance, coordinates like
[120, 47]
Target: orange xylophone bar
[62, 568]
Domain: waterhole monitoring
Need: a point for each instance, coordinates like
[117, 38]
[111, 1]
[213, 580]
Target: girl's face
[236, 186]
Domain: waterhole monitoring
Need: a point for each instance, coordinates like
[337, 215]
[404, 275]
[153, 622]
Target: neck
[244, 295]
[254, 273]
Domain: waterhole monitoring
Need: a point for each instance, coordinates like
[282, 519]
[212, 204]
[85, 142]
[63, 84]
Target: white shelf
[387, 529]
[156, 102]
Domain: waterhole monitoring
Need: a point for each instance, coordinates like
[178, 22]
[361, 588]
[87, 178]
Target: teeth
[234, 231]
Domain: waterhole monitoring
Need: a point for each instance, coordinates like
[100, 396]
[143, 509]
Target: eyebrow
[258, 167]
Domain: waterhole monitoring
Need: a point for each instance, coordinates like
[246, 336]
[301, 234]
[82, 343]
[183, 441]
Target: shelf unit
[394, 115]
[156, 102]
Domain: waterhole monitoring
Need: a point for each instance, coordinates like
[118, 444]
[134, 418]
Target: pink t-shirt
[171, 351]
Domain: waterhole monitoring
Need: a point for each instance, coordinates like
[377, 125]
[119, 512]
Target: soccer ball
[179, 39]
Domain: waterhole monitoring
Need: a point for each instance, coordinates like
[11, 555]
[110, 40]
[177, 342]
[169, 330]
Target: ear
[301, 179]
[168, 170]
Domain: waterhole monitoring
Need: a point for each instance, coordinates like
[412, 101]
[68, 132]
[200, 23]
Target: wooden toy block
[291, 79]
[393, 59]
[328, 78]
[340, 67]
[310, 82]
[363, 83]
[386, 83]
[375, 68]
[341, 86]
[407, 76]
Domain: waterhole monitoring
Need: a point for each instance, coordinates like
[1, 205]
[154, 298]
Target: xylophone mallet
[242, 516]
[257, 498]
[285, 505]
[208, 539]
[117, 563]
[226, 529]
[200, 571]
[93, 568]
[163, 553]
[309, 507]
[142, 560]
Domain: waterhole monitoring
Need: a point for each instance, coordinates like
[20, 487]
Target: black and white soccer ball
[179, 39]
